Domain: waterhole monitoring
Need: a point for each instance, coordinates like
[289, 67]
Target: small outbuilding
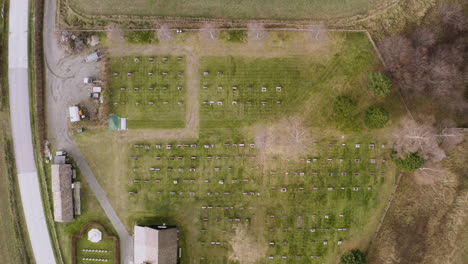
[155, 245]
[93, 57]
[62, 192]
[74, 113]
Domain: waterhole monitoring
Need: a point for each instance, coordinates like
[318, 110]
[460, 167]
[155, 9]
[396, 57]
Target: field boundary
[37, 101]
[389, 203]
[103, 20]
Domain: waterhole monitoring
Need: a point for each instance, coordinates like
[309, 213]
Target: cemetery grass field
[249, 203]
[229, 190]
[148, 101]
[245, 9]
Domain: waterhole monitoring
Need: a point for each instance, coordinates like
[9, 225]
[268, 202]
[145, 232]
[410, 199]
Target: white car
[179, 31]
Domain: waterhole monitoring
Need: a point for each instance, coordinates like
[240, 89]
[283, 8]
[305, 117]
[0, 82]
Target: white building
[74, 113]
[155, 245]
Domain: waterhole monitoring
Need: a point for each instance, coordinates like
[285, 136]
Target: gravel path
[64, 78]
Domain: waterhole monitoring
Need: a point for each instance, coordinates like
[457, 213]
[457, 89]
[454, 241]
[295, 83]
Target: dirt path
[64, 87]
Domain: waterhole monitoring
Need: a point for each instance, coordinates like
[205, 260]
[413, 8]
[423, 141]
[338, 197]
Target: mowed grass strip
[242, 190]
[243, 9]
[149, 91]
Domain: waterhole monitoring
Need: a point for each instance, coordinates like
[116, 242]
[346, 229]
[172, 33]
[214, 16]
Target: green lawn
[241, 9]
[85, 250]
[148, 101]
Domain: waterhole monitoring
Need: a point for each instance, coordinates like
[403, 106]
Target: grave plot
[94, 245]
[297, 209]
[149, 91]
[238, 89]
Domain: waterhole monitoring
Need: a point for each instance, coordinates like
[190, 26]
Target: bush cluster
[376, 117]
[379, 83]
[411, 163]
[344, 106]
[354, 257]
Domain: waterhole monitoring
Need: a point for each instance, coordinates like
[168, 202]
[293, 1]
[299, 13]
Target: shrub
[141, 37]
[379, 83]
[376, 117]
[354, 257]
[344, 106]
[411, 163]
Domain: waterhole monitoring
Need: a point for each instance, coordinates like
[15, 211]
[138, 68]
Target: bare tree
[452, 15]
[428, 137]
[424, 37]
[429, 64]
[209, 33]
[256, 33]
[318, 33]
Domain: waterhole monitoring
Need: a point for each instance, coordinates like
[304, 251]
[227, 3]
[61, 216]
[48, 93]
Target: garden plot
[238, 89]
[294, 208]
[95, 248]
[149, 91]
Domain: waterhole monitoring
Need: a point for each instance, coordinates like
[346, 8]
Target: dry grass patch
[286, 138]
[246, 248]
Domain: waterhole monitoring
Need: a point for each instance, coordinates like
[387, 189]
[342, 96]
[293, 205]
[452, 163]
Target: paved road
[29, 186]
[65, 73]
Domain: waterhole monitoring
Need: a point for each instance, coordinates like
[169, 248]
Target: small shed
[60, 159]
[74, 113]
[76, 197]
[123, 123]
[93, 57]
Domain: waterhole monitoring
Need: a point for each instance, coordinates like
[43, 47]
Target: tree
[426, 138]
[354, 257]
[379, 83]
[428, 64]
[411, 163]
[376, 117]
[344, 106]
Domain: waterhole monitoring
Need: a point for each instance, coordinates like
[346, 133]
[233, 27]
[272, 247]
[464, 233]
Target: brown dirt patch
[246, 249]
[426, 221]
[430, 174]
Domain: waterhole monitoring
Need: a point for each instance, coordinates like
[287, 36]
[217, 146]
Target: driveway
[64, 87]
[30, 189]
